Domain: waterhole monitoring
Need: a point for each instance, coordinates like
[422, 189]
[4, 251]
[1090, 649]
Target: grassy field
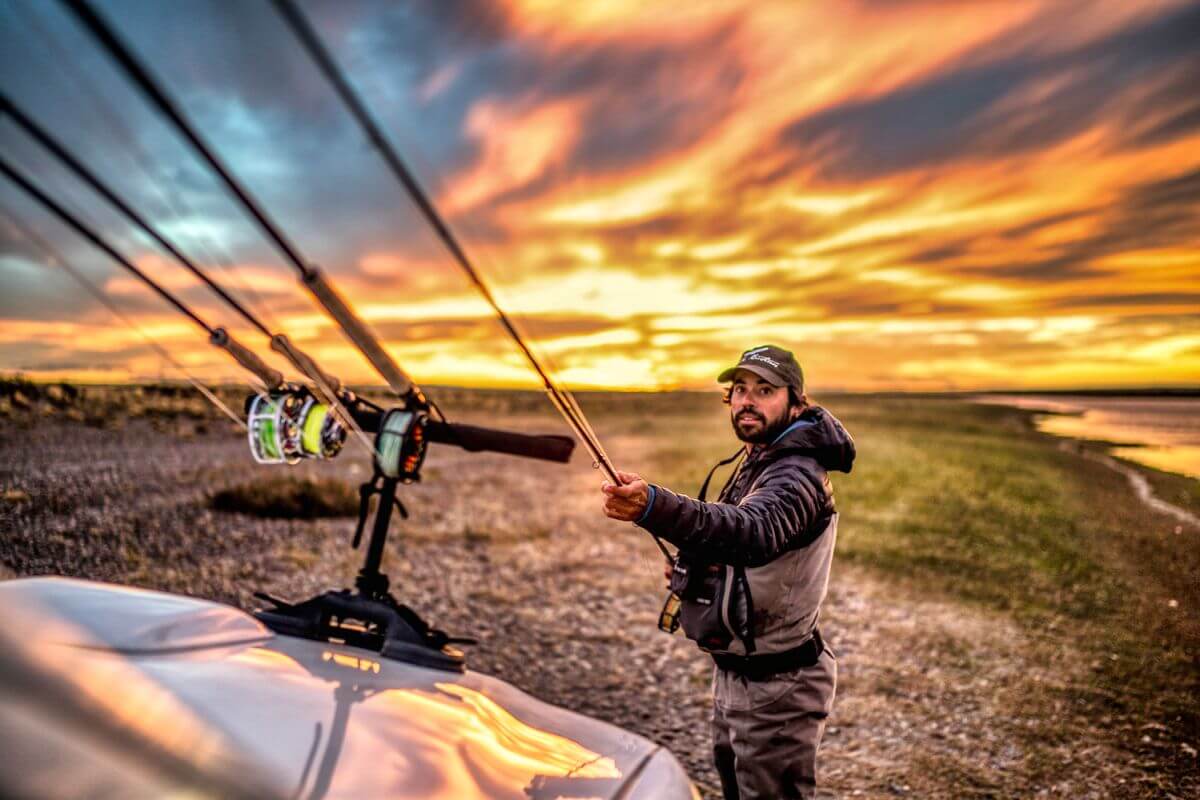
[950, 503]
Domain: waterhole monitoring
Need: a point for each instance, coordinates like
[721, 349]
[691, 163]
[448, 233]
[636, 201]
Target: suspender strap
[704, 486]
[703, 492]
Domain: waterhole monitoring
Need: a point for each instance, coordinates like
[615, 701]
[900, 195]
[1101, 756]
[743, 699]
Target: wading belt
[767, 665]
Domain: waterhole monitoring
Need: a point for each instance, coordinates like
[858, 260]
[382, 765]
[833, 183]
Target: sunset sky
[910, 194]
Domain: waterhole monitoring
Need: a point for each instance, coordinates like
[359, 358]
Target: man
[751, 572]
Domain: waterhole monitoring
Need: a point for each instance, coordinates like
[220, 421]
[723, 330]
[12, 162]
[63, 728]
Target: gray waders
[766, 732]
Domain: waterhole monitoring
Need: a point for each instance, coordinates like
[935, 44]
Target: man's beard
[765, 434]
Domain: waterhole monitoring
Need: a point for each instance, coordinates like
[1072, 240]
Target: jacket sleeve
[778, 515]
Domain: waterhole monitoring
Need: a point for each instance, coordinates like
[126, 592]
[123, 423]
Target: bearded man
[752, 571]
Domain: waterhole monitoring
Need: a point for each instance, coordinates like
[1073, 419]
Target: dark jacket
[772, 529]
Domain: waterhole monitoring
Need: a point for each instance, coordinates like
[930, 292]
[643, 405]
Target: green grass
[954, 498]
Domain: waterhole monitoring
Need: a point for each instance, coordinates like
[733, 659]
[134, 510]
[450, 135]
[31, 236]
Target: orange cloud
[516, 148]
[924, 194]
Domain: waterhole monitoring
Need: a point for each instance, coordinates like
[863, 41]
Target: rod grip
[358, 332]
[244, 356]
[303, 362]
[469, 437]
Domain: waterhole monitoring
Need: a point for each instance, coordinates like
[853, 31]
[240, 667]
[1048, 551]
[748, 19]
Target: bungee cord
[55, 259]
[327, 385]
[562, 400]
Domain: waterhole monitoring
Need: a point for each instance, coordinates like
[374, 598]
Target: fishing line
[321, 56]
[217, 336]
[129, 144]
[87, 176]
[326, 384]
[26, 232]
[88, 233]
[312, 278]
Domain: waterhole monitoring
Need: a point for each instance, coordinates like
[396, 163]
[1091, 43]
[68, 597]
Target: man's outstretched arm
[776, 517]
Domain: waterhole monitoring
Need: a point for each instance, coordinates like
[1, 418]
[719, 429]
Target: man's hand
[626, 502]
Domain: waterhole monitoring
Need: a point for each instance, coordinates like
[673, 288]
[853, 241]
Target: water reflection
[1160, 432]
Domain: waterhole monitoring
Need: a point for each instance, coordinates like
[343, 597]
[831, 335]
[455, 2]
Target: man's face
[758, 410]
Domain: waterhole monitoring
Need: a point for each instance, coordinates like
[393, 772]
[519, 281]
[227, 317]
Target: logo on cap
[763, 359]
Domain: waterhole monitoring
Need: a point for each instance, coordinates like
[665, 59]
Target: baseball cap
[773, 364]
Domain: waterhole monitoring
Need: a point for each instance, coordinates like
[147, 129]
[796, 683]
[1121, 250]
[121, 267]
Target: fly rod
[219, 337]
[55, 259]
[327, 384]
[174, 203]
[310, 276]
[565, 404]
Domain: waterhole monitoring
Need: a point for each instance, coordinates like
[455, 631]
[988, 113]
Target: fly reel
[286, 426]
[400, 445]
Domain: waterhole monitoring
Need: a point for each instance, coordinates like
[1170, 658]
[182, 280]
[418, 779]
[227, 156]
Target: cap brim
[762, 372]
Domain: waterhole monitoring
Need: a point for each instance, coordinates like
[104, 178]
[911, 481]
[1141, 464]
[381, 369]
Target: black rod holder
[371, 582]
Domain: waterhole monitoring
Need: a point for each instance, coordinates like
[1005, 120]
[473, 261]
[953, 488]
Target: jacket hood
[820, 436]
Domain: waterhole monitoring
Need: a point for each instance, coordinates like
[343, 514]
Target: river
[1160, 432]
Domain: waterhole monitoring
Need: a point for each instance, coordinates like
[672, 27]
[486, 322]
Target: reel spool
[400, 446]
[321, 435]
[284, 427]
[272, 430]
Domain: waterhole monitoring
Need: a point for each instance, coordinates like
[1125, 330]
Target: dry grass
[286, 497]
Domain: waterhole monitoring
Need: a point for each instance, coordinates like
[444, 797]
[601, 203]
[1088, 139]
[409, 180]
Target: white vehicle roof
[100, 679]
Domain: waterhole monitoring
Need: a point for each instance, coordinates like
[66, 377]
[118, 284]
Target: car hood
[313, 719]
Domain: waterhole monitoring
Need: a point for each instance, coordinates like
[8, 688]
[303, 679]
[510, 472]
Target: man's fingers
[619, 509]
[627, 501]
[619, 514]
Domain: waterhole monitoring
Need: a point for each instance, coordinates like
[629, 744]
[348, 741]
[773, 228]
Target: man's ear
[796, 410]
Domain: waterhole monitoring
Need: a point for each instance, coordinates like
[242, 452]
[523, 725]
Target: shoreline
[1136, 473]
[1101, 451]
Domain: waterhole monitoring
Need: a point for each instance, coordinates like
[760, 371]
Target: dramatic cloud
[920, 194]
